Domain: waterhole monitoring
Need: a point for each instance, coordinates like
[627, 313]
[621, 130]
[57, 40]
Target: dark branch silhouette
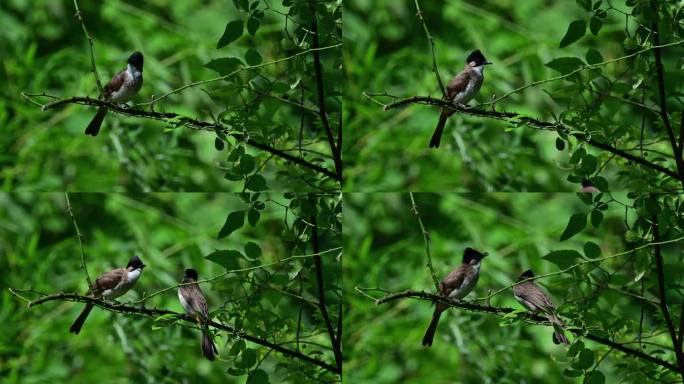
[530, 318]
[188, 319]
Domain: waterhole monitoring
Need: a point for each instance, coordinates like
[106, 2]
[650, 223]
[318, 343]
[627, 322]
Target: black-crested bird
[111, 285]
[122, 88]
[532, 297]
[460, 90]
[192, 299]
[588, 187]
[456, 286]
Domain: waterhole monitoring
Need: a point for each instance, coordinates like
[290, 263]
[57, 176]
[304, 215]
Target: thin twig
[79, 236]
[431, 42]
[426, 239]
[90, 42]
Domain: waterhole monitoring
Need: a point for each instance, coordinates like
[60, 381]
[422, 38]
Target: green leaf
[595, 25]
[249, 358]
[163, 321]
[595, 377]
[234, 221]
[252, 57]
[252, 250]
[565, 65]
[258, 376]
[237, 347]
[575, 225]
[593, 56]
[228, 259]
[596, 218]
[252, 25]
[592, 250]
[576, 30]
[586, 4]
[572, 372]
[588, 166]
[218, 144]
[253, 217]
[280, 87]
[651, 206]
[247, 163]
[233, 32]
[256, 183]
[586, 359]
[563, 258]
[560, 144]
[224, 66]
[575, 349]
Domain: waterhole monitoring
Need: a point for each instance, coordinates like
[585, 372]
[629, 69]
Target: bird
[192, 299]
[456, 286]
[589, 187]
[532, 297]
[461, 89]
[122, 88]
[111, 285]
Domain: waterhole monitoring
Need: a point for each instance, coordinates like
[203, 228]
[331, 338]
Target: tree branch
[431, 41]
[426, 240]
[336, 150]
[676, 151]
[179, 120]
[663, 299]
[318, 264]
[90, 42]
[524, 120]
[530, 318]
[159, 312]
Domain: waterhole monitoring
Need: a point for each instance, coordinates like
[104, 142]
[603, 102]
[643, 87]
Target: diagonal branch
[337, 349]
[186, 318]
[79, 236]
[90, 41]
[530, 318]
[676, 151]
[335, 149]
[518, 119]
[179, 120]
[426, 240]
[431, 41]
[662, 295]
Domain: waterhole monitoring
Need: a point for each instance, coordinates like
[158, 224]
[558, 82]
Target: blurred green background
[385, 249]
[386, 50]
[170, 232]
[44, 49]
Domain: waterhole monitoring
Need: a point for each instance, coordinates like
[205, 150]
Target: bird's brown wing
[533, 294]
[195, 298]
[109, 280]
[452, 281]
[115, 84]
[457, 85]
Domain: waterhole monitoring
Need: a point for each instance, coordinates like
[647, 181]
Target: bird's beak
[488, 62]
[143, 266]
[485, 254]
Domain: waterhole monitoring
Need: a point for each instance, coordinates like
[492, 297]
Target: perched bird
[589, 187]
[111, 285]
[460, 90]
[532, 297]
[456, 286]
[193, 301]
[120, 89]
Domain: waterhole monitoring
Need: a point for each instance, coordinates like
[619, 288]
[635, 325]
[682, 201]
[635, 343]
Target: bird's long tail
[78, 323]
[208, 346]
[94, 126]
[430, 333]
[558, 334]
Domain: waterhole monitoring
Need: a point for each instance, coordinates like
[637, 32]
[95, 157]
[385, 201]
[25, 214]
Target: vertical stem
[79, 235]
[426, 239]
[431, 41]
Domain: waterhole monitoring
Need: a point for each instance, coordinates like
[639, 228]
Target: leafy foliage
[244, 69]
[603, 280]
[262, 283]
[604, 83]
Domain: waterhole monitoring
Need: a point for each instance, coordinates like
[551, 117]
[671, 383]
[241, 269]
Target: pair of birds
[463, 279]
[117, 282]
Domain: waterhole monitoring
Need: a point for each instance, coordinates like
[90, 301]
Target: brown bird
[456, 286]
[111, 285]
[532, 297]
[460, 90]
[120, 90]
[193, 301]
